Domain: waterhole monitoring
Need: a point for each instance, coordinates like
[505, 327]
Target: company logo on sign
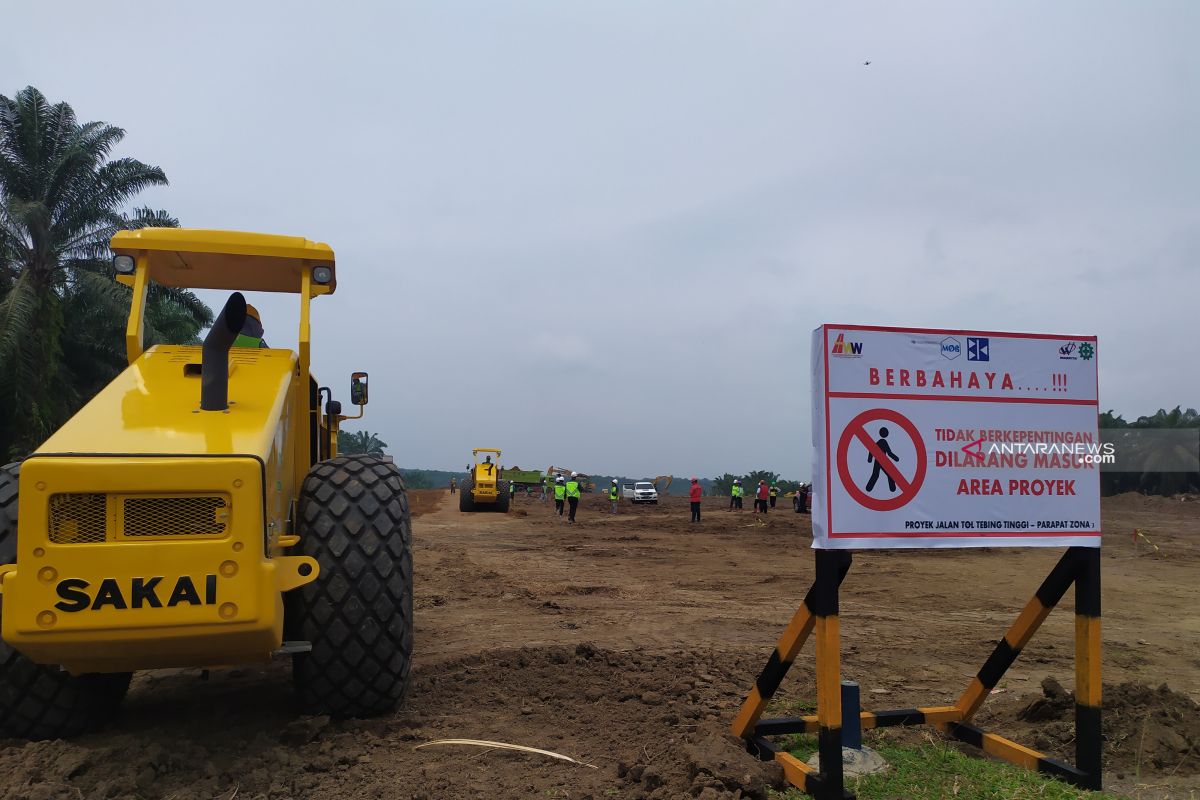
[951, 348]
[846, 349]
[978, 349]
[1068, 352]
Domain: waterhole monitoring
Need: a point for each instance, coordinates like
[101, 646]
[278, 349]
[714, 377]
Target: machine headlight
[322, 275]
[123, 265]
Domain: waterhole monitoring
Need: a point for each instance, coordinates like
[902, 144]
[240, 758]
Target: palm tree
[61, 313]
[361, 443]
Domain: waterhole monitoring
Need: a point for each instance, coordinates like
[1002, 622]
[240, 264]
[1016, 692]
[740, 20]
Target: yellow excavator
[666, 481]
[585, 485]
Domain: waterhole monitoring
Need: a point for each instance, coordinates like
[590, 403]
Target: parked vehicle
[640, 492]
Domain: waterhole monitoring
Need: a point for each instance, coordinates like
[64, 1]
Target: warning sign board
[950, 438]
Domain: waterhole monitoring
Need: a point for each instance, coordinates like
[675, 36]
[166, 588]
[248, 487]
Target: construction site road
[628, 641]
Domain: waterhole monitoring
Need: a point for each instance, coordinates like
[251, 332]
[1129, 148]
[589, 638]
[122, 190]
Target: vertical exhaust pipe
[214, 364]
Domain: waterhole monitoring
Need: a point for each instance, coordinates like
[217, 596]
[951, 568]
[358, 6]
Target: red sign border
[829, 533]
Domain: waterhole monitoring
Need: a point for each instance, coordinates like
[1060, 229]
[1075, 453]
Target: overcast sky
[598, 234]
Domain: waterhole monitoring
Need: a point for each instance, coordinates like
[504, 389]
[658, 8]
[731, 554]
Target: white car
[640, 492]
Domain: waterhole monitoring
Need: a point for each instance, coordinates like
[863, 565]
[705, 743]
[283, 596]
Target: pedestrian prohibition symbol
[883, 460]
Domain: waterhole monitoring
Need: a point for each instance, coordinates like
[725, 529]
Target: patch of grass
[791, 707]
[935, 770]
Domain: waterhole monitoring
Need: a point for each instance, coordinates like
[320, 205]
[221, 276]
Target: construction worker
[453, 486]
[252, 330]
[761, 496]
[695, 492]
[512, 491]
[613, 494]
[560, 493]
[802, 499]
[735, 495]
[774, 494]
[544, 488]
[573, 496]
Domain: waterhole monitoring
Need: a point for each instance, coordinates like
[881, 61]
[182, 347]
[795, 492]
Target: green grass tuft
[936, 771]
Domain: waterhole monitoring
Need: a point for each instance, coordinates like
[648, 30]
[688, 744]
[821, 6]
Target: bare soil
[628, 642]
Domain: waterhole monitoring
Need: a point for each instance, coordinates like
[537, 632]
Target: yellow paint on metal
[152, 407]
[1088, 688]
[123, 634]
[1010, 751]
[829, 692]
[972, 698]
[794, 770]
[1027, 624]
[211, 259]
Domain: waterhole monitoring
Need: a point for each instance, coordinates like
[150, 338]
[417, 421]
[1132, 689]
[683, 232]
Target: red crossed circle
[857, 429]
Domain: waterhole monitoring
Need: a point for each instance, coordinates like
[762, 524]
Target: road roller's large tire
[502, 499]
[466, 496]
[358, 613]
[46, 702]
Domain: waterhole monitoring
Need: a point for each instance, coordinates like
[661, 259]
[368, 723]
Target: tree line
[63, 195]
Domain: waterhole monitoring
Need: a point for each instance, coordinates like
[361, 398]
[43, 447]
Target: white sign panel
[941, 438]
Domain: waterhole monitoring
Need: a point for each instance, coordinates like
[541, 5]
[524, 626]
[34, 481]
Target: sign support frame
[1079, 566]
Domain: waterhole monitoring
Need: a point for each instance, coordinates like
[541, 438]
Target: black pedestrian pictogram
[882, 444]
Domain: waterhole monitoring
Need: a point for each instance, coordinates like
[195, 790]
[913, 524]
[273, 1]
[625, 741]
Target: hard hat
[737, 480]
[251, 311]
[762, 483]
[558, 478]
[614, 480]
[695, 479]
[574, 474]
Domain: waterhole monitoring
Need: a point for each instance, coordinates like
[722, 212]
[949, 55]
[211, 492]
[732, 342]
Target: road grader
[196, 513]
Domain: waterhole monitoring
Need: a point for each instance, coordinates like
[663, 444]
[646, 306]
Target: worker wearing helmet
[252, 330]
[774, 494]
[573, 496]
[613, 495]
[560, 494]
[801, 499]
[736, 492]
[761, 496]
[695, 492]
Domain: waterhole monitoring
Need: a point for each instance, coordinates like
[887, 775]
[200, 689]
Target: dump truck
[196, 513]
[484, 488]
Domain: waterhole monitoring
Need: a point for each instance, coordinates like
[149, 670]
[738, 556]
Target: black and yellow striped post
[785, 652]
[819, 615]
[1027, 623]
[829, 679]
[1088, 742]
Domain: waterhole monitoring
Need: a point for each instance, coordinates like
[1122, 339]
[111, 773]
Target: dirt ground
[628, 641]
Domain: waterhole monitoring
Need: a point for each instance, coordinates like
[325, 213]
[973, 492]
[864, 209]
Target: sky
[598, 234]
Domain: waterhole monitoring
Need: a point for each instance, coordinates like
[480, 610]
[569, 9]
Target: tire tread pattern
[357, 614]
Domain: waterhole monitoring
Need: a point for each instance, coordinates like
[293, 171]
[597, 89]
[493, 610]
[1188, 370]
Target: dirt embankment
[628, 642]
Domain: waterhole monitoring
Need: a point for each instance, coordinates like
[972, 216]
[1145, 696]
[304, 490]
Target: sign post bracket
[1079, 566]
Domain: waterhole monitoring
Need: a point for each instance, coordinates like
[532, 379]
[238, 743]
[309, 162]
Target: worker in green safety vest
[560, 494]
[252, 330]
[774, 494]
[613, 495]
[573, 496]
[736, 492]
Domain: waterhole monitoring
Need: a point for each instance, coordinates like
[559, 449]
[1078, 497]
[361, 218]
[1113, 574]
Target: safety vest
[243, 340]
[560, 491]
[738, 491]
[512, 488]
[774, 492]
[612, 493]
[572, 488]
